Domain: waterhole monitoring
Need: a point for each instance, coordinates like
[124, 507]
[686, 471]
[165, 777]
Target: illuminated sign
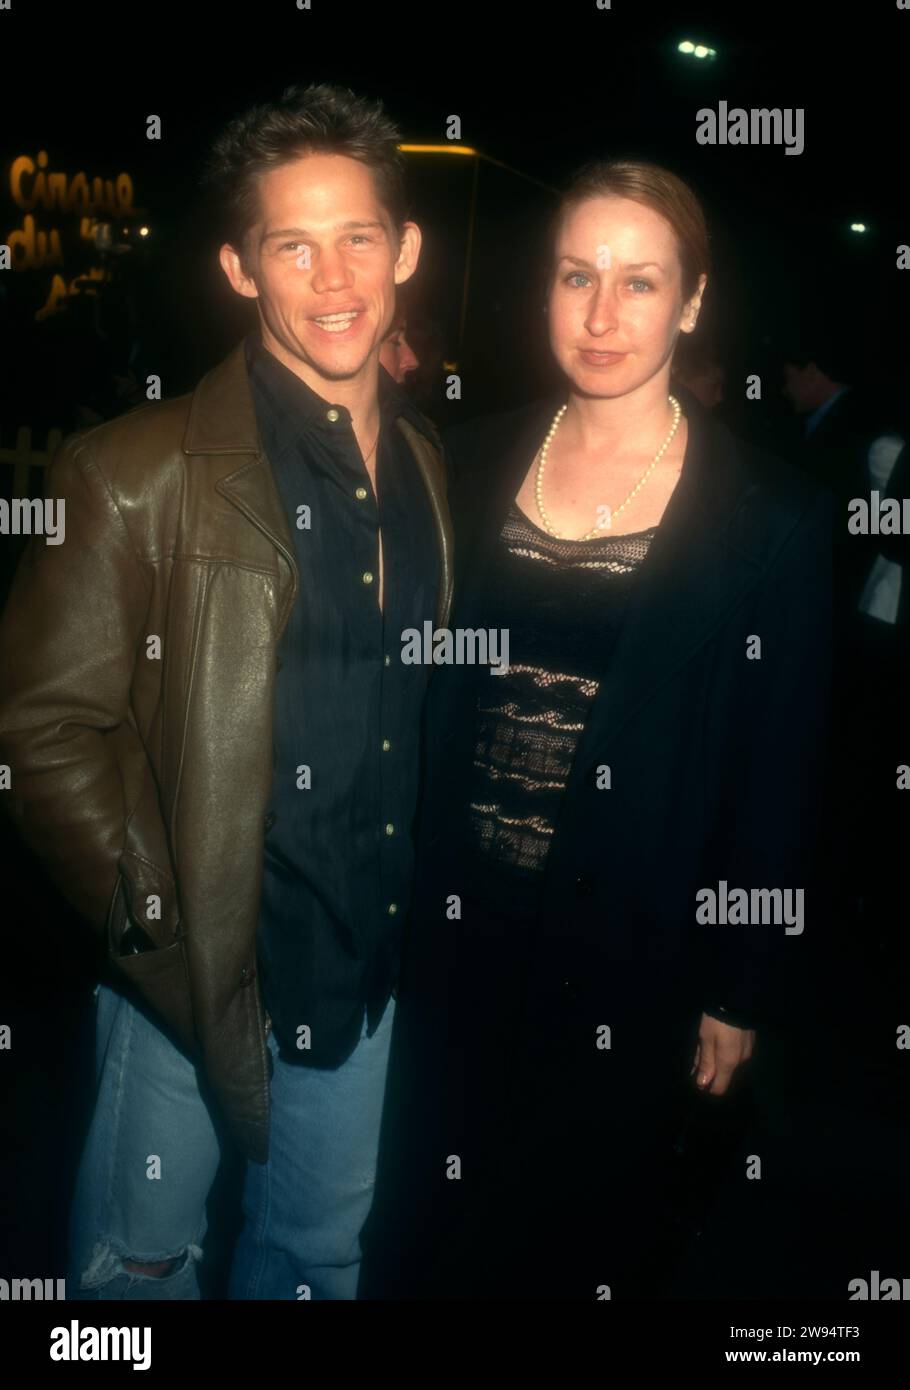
[34, 188]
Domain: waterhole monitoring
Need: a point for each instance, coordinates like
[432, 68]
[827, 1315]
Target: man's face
[397, 355]
[323, 266]
[707, 385]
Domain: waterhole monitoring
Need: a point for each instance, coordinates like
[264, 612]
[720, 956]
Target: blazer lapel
[697, 570]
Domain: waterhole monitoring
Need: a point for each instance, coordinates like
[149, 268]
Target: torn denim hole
[106, 1265]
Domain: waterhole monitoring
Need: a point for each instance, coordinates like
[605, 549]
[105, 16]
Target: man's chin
[339, 368]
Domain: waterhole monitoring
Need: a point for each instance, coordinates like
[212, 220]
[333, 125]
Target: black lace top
[562, 602]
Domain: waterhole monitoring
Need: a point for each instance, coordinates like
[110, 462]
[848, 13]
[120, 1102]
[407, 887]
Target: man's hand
[720, 1050]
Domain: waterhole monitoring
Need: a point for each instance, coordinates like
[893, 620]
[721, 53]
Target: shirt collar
[821, 411]
[296, 406]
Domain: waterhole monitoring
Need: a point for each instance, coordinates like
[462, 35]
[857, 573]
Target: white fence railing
[24, 457]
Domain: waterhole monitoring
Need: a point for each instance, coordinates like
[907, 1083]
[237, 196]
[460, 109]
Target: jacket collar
[295, 408]
[222, 418]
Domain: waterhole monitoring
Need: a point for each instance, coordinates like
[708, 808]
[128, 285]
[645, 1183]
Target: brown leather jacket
[134, 775]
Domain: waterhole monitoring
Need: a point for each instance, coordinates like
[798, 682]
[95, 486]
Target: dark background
[538, 90]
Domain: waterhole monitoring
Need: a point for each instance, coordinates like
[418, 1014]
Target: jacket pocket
[159, 975]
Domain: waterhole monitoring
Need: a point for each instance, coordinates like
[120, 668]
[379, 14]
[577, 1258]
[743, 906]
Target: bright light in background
[857, 226]
[143, 231]
[698, 50]
[437, 149]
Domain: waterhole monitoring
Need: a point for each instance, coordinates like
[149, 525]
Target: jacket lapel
[253, 490]
[222, 420]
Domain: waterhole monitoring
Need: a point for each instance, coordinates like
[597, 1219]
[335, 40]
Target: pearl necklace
[542, 454]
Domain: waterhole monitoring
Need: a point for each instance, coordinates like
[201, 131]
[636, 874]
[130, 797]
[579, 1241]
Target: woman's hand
[720, 1050]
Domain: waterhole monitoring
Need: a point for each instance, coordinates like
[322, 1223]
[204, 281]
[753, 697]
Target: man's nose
[331, 272]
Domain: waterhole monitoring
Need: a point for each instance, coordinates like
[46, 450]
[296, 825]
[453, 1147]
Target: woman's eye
[576, 275]
[647, 283]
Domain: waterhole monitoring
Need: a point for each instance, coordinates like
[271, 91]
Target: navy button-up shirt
[338, 850]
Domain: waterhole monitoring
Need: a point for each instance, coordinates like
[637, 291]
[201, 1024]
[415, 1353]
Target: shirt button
[393, 908]
[367, 578]
[386, 745]
[390, 829]
[332, 415]
[360, 494]
[388, 661]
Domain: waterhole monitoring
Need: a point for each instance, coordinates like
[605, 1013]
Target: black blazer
[717, 761]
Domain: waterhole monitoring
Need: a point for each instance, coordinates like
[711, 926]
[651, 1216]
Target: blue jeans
[151, 1156]
[305, 1208]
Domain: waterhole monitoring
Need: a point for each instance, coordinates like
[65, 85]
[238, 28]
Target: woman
[654, 745]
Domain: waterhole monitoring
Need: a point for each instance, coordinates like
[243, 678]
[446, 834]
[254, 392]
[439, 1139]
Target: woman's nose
[604, 312]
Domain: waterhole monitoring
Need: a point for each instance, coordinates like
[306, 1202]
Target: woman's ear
[691, 311]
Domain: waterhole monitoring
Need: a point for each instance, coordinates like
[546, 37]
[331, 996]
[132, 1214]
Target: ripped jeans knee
[107, 1272]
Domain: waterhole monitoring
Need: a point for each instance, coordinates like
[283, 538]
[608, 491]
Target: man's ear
[408, 252]
[232, 266]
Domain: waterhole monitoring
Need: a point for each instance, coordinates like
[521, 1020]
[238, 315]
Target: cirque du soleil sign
[36, 189]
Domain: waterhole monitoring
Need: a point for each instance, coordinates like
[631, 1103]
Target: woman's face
[615, 306]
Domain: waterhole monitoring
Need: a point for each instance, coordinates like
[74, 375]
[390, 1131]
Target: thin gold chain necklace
[544, 449]
[375, 442]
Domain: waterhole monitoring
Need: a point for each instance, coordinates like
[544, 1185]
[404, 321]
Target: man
[853, 437]
[396, 354]
[699, 370]
[843, 427]
[213, 739]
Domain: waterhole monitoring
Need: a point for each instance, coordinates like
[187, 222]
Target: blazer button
[269, 821]
[247, 975]
[584, 886]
